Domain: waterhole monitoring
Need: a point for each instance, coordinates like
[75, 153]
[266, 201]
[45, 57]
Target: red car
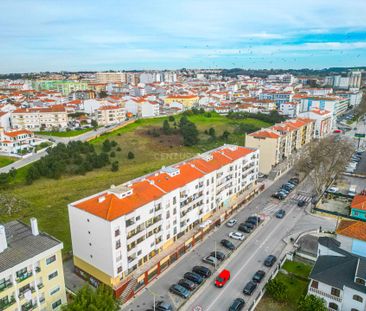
[222, 278]
[337, 131]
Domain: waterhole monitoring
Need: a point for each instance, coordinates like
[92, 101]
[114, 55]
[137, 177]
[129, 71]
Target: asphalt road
[265, 240]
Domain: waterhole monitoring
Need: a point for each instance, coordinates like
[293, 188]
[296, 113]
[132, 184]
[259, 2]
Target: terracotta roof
[265, 134]
[359, 202]
[54, 108]
[182, 96]
[353, 229]
[157, 184]
[17, 133]
[109, 107]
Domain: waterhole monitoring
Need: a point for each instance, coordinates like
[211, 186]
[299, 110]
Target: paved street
[36, 156]
[267, 239]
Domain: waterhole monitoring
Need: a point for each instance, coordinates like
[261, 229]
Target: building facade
[280, 141]
[108, 115]
[119, 230]
[31, 271]
[12, 142]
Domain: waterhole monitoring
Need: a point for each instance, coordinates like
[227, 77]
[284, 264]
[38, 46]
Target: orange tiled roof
[359, 202]
[156, 185]
[17, 133]
[353, 229]
[264, 134]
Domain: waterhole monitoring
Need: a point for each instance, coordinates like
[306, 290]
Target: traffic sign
[359, 135]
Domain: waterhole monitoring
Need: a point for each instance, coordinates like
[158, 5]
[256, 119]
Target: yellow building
[186, 100]
[278, 142]
[31, 271]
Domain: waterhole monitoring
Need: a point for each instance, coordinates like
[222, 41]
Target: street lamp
[153, 294]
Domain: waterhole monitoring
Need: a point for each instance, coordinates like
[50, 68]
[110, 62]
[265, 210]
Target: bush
[115, 166]
[171, 119]
[112, 154]
[107, 146]
[277, 290]
[118, 149]
[130, 155]
[114, 143]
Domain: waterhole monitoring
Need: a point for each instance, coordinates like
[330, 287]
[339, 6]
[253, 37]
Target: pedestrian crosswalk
[301, 197]
[271, 208]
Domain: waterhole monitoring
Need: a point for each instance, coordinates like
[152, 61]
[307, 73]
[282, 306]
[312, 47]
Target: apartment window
[119, 269]
[52, 275]
[333, 306]
[139, 252]
[21, 272]
[167, 214]
[88, 232]
[357, 298]
[335, 292]
[55, 290]
[360, 281]
[118, 244]
[168, 236]
[50, 259]
[174, 200]
[56, 304]
[138, 218]
[117, 233]
[315, 284]
[90, 244]
[87, 220]
[174, 211]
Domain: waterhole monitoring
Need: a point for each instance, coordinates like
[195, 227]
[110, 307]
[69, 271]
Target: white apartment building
[150, 109]
[31, 271]
[338, 277]
[108, 115]
[120, 229]
[12, 142]
[290, 109]
[35, 119]
[323, 121]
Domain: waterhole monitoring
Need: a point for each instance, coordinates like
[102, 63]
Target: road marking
[249, 259]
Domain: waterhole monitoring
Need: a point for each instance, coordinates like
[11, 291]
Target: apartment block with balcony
[279, 142]
[338, 277]
[40, 118]
[31, 271]
[13, 142]
[108, 115]
[119, 230]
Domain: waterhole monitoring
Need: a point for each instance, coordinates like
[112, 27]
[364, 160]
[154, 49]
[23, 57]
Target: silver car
[231, 222]
[211, 260]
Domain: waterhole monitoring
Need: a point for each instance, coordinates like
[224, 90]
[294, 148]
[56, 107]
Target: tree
[118, 149]
[277, 290]
[166, 127]
[212, 132]
[311, 303]
[130, 155]
[107, 146]
[171, 119]
[100, 299]
[94, 123]
[114, 143]
[190, 134]
[322, 160]
[115, 166]
[183, 121]
[112, 154]
[225, 135]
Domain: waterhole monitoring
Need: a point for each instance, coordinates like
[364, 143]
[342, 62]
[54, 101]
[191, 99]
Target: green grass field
[4, 161]
[296, 285]
[48, 198]
[65, 134]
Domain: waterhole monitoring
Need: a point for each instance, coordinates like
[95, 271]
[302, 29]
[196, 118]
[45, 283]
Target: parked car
[270, 260]
[255, 220]
[279, 195]
[280, 213]
[222, 278]
[250, 288]
[180, 291]
[301, 203]
[163, 306]
[231, 222]
[211, 260]
[194, 277]
[237, 305]
[236, 236]
[258, 276]
[187, 284]
[249, 225]
[244, 228]
[333, 189]
[227, 244]
[295, 179]
[202, 271]
[219, 255]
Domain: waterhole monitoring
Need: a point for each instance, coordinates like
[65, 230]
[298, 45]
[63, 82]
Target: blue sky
[40, 35]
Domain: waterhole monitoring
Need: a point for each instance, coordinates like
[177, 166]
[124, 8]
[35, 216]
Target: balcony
[6, 285]
[40, 285]
[324, 294]
[23, 277]
[29, 306]
[6, 304]
[38, 269]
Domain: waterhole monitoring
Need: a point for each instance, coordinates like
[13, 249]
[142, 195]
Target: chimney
[34, 226]
[3, 242]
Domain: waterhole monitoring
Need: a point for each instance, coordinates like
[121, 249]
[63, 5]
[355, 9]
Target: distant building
[358, 207]
[352, 235]
[110, 77]
[15, 141]
[109, 114]
[31, 271]
[188, 101]
[323, 121]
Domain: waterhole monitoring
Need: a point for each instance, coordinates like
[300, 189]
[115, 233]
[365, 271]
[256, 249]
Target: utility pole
[153, 294]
